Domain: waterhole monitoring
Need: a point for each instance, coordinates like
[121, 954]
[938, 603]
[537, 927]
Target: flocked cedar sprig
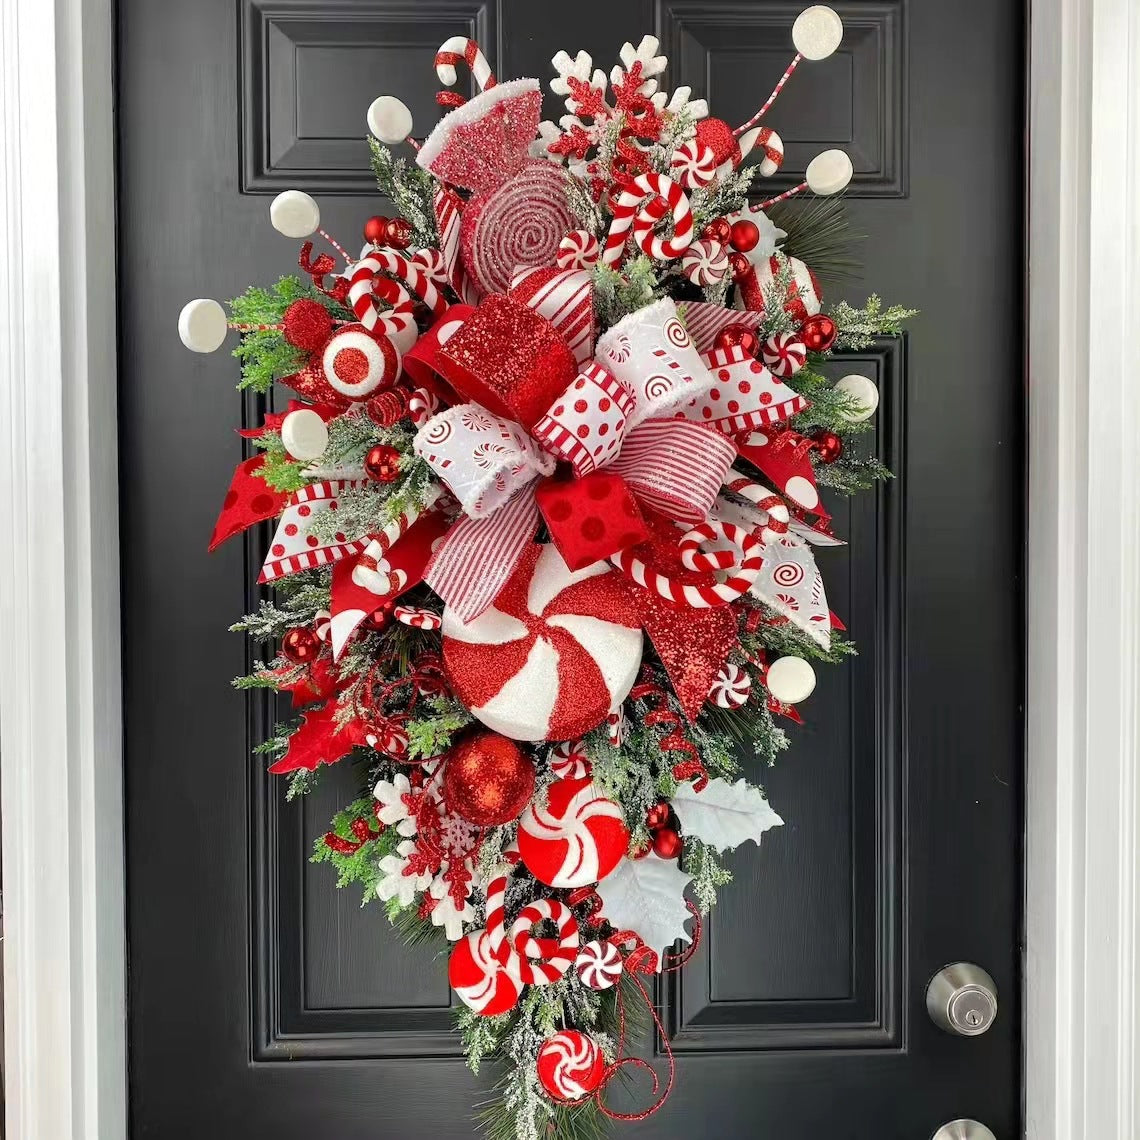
[709, 873]
[616, 295]
[410, 189]
[431, 735]
[299, 598]
[369, 508]
[851, 473]
[361, 865]
[859, 327]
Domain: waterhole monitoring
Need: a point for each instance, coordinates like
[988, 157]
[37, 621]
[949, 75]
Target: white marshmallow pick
[304, 434]
[790, 680]
[829, 172]
[295, 214]
[389, 119]
[817, 32]
[202, 325]
[863, 391]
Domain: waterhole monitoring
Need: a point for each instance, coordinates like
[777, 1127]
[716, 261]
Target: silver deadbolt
[962, 999]
[963, 1130]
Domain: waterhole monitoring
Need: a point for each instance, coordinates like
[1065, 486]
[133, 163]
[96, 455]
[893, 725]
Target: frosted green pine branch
[410, 189]
[859, 327]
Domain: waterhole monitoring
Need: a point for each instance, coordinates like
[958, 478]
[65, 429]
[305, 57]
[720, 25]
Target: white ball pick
[202, 325]
[817, 32]
[304, 434]
[295, 214]
[829, 172]
[790, 680]
[863, 391]
[389, 119]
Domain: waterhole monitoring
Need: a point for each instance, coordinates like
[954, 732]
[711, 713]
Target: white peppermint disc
[304, 434]
[295, 214]
[863, 390]
[829, 172]
[817, 32]
[202, 325]
[790, 680]
[389, 119]
[598, 965]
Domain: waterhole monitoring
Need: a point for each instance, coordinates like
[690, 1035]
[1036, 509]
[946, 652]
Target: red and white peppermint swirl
[778, 516]
[731, 688]
[392, 740]
[743, 564]
[784, 354]
[693, 164]
[322, 624]
[598, 965]
[579, 249]
[417, 618]
[570, 1065]
[568, 760]
[422, 405]
[540, 961]
[705, 262]
[480, 980]
[651, 198]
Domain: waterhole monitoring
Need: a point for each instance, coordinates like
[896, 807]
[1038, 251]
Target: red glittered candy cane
[458, 50]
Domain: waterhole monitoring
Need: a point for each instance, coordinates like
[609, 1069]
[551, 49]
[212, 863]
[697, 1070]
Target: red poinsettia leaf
[319, 741]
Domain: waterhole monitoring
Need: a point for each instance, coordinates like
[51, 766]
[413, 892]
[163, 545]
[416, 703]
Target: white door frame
[60, 676]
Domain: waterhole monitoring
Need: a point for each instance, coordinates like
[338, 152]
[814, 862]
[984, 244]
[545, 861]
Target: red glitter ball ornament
[818, 333]
[382, 463]
[399, 233]
[376, 229]
[300, 645]
[488, 779]
[667, 843]
[828, 444]
[745, 235]
[739, 264]
[657, 816]
[307, 325]
[732, 336]
[718, 230]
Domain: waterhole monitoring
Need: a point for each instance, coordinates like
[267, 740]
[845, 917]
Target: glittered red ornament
[828, 444]
[745, 235]
[733, 336]
[399, 233]
[376, 229]
[488, 779]
[381, 617]
[307, 325]
[657, 816]
[382, 463]
[739, 264]
[300, 645]
[718, 230]
[667, 843]
[818, 333]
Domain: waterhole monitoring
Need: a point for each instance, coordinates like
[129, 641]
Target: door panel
[265, 1002]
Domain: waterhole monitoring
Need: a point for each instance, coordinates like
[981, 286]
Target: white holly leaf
[724, 815]
[647, 896]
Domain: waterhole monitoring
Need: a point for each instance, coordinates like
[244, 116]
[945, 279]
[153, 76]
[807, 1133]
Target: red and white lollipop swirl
[570, 1065]
[599, 965]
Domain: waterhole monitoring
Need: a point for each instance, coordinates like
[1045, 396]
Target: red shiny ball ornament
[301, 645]
[488, 779]
[382, 463]
[376, 229]
[399, 233]
[657, 816]
[732, 336]
[818, 333]
[828, 444]
[307, 325]
[719, 229]
[667, 843]
[745, 235]
[739, 264]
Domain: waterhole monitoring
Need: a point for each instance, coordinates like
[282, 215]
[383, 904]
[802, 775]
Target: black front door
[265, 1003]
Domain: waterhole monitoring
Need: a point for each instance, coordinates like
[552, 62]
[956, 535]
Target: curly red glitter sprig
[647, 689]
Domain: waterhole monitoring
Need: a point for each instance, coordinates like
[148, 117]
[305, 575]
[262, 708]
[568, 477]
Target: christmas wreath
[547, 497]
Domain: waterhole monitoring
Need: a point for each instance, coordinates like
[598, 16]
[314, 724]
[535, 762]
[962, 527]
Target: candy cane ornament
[458, 50]
[777, 516]
[539, 962]
[640, 208]
[743, 564]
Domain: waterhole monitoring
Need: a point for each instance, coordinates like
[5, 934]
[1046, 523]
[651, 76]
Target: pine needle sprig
[410, 189]
[819, 233]
[859, 327]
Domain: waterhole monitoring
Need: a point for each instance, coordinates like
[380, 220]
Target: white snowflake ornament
[395, 811]
[445, 913]
[395, 883]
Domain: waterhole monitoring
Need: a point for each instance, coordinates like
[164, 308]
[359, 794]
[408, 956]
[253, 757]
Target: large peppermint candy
[576, 839]
[598, 965]
[552, 657]
[482, 982]
[570, 1065]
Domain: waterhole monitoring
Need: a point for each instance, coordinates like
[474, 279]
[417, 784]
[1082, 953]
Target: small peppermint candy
[598, 965]
[731, 688]
[783, 354]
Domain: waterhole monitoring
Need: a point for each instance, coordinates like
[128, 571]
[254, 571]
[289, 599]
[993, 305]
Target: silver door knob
[963, 1130]
[962, 999]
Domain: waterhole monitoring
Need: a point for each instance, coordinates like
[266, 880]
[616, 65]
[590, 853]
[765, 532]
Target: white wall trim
[60, 669]
[1083, 812]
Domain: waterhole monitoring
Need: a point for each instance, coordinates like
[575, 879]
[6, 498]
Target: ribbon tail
[478, 556]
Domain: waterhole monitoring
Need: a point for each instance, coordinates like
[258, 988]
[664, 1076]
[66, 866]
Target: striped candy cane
[771, 98]
[538, 962]
[743, 564]
[458, 50]
[777, 516]
[641, 207]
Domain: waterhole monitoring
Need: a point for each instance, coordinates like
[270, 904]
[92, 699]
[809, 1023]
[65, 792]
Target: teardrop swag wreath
[547, 502]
